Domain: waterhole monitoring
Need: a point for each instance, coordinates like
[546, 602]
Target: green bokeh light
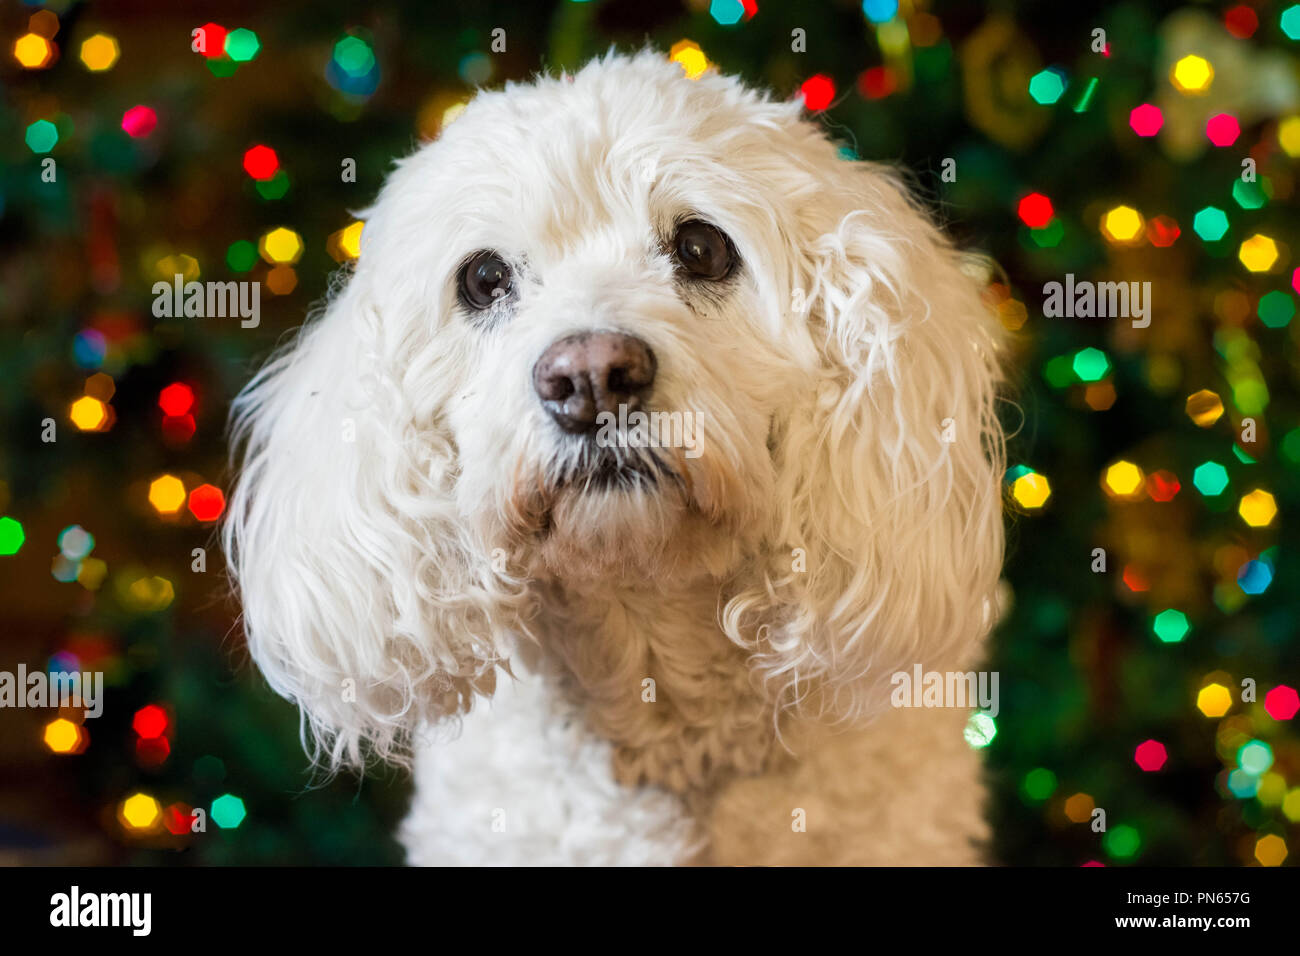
[1210, 478]
[1091, 365]
[1276, 309]
[1122, 842]
[1249, 195]
[242, 255]
[1211, 223]
[42, 136]
[228, 811]
[1040, 784]
[242, 45]
[1170, 626]
[12, 535]
[1047, 86]
[1255, 757]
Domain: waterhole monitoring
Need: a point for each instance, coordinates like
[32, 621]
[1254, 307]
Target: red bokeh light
[1151, 755]
[877, 82]
[1163, 231]
[178, 818]
[176, 399]
[150, 721]
[1146, 119]
[1223, 129]
[1135, 580]
[178, 429]
[1035, 210]
[139, 121]
[1163, 485]
[1241, 21]
[818, 92]
[260, 162]
[1282, 702]
[213, 36]
[152, 752]
[207, 502]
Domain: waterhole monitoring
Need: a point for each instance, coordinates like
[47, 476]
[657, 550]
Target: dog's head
[622, 328]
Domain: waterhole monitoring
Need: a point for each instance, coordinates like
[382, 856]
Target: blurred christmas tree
[1108, 144]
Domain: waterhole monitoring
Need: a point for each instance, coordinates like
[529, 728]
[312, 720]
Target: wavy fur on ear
[366, 599]
[889, 476]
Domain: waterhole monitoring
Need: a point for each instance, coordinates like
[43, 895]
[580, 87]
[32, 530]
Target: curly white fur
[411, 532]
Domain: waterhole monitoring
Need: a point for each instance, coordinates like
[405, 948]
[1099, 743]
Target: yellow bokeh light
[1258, 253]
[1214, 700]
[33, 51]
[1288, 136]
[1291, 806]
[1258, 508]
[1272, 789]
[88, 413]
[1123, 480]
[688, 55]
[1270, 850]
[1012, 313]
[1031, 491]
[1122, 224]
[1078, 809]
[281, 245]
[350, 240]
[1204, 407]
[91, 574]
[452, 113]
[150, 594]
[167, 494]
[140, 811]
[99, 52]
[62, 736]
[1192, 74]
[178, 264]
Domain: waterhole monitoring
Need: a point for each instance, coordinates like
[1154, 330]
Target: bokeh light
[1258, 253]
[1192, 74]
[1123, 479]
[99, 52]
[1204, 407]
[1150, 755]
[1282, 702]
[139, 812]
[1214, 700]
[1171, 626]
[818, 92]
[1258, 508]
[167, 494]
[281, 245]
[1146, 119]
[1122, 224]
[228, 811]
[688, 55]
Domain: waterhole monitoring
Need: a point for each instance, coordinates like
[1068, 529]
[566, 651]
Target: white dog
[641, 642]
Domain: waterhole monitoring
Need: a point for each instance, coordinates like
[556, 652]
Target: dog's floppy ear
[364, 600]
[889, 545]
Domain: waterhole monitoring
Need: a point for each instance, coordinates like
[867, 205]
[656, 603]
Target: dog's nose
[582, 375]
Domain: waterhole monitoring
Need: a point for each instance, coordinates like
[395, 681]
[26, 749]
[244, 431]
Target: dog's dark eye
[484, 279]
[702, 250]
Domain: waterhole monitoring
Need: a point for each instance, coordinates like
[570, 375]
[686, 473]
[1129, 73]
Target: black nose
[582, 375]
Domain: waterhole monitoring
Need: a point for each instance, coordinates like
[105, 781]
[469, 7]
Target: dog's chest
[527, 782]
